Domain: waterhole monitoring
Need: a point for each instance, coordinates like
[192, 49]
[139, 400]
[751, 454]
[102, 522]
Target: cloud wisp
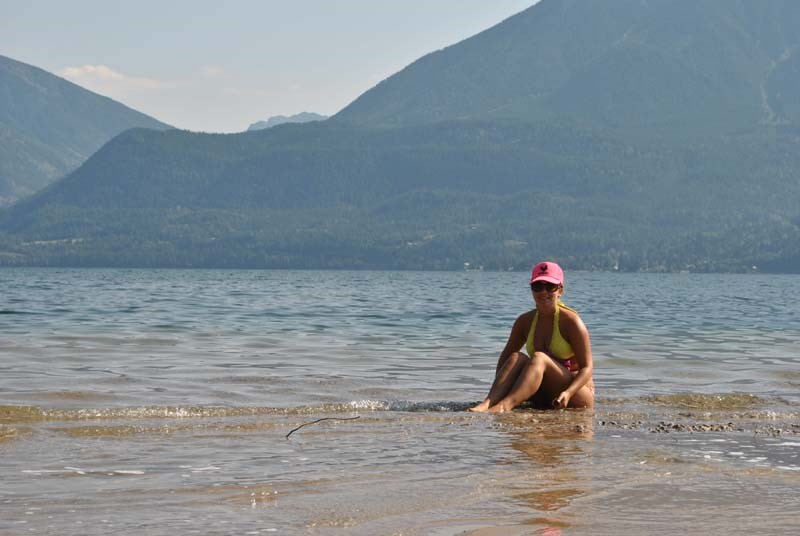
[211, 71]
[103, 79]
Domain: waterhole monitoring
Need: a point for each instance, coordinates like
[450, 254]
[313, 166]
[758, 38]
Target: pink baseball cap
[547, 271]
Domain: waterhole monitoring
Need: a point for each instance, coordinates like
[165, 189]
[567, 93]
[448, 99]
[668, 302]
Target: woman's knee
[518, 358]
[539, 360]
[584, 398]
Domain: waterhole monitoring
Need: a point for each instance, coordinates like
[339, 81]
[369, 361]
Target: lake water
[159, 402]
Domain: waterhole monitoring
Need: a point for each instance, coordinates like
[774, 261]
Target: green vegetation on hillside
[691, 66]
[419, 197]
[49, 126]
[607, 134]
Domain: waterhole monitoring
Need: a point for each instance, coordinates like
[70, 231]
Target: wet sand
[727, 464]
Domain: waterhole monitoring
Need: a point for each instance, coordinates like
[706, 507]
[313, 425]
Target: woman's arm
[578, 337]
[517, 338]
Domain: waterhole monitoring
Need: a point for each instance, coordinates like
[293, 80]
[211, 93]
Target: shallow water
[156, 402]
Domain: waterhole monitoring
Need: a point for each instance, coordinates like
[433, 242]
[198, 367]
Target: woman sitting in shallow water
[558, 372]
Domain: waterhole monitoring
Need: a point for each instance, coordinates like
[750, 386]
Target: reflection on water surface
[158, 402]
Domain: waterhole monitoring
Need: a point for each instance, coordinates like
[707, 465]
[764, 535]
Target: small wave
[7, 433]
[664, 407]
[408, 406]
[20, 414]
[77, 471]
[30, 414]
[74, 396]
[694, 401]
[730, 401]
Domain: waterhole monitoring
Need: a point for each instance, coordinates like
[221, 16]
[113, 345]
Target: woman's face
[546, 295]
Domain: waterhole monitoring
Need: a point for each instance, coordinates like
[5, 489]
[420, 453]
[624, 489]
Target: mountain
[689, 65]
[616, 134]
[275, 120]
[49, 126]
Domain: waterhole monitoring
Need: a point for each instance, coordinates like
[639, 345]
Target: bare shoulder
[571, 320]
[522, 325]
[525, 319]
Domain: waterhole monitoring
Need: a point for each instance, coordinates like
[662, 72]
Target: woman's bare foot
[498, 408]
[480, 408]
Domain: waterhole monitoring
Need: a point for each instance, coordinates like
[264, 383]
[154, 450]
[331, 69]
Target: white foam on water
[65, 470]
[76, 470]
[205, 469]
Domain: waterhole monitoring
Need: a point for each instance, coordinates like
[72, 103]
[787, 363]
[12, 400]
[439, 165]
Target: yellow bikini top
[558, 347]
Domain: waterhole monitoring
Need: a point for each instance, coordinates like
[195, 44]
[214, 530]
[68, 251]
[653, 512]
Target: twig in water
[323, 419]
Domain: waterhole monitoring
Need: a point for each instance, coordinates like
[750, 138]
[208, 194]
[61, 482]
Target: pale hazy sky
[218, 66]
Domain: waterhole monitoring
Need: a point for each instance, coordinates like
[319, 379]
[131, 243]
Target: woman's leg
[584, 398]
[504, 380]
[541, 373]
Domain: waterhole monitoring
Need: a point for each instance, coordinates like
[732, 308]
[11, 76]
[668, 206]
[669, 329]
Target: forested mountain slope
[49, 126]
[613, 134]
[690, 65]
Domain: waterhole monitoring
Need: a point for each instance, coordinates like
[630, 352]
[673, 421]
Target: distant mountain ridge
[275, 120]
[686, 65]
[49, 126]
[644, 135]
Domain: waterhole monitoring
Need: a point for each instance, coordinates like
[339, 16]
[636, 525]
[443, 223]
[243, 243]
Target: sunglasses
[539, 286]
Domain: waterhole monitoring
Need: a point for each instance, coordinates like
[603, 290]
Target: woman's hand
[562, 401]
